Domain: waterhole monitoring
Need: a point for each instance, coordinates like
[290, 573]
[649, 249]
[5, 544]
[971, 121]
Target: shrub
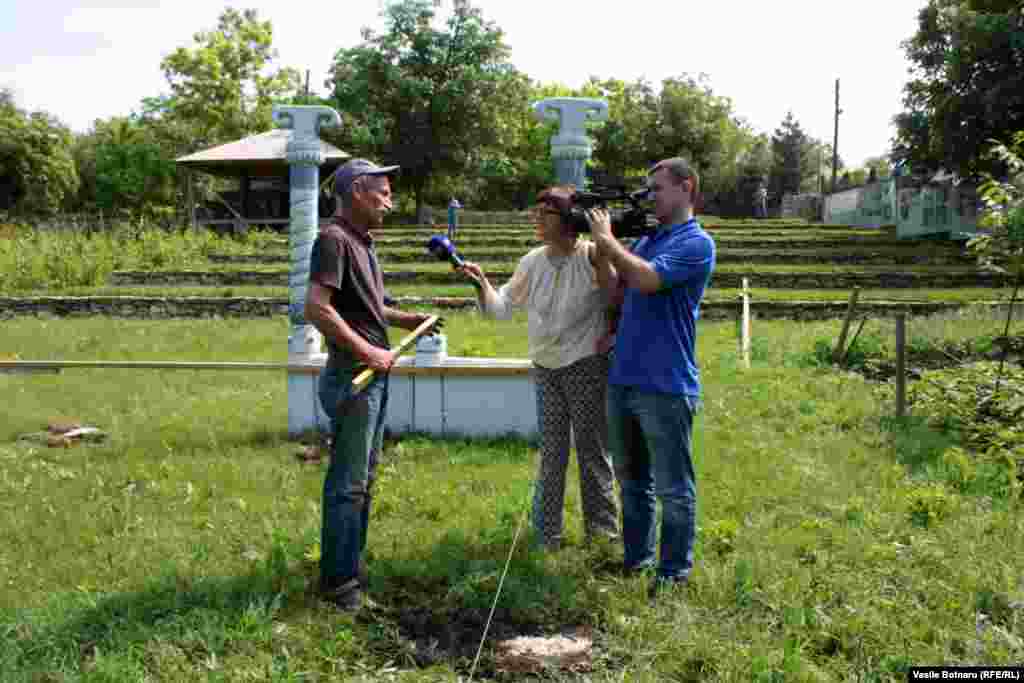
[929, 504]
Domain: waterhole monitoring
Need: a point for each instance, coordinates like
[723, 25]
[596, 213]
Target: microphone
[442, 247]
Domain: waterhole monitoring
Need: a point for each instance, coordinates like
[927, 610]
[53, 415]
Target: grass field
[832, 545]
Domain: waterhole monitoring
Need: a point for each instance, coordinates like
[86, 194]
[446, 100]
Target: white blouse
[566, 309]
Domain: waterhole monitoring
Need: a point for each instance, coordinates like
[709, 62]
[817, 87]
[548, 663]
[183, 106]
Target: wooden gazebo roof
[260, 155]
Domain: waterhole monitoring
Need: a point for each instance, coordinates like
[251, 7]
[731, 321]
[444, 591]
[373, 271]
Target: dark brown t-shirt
[343, 260]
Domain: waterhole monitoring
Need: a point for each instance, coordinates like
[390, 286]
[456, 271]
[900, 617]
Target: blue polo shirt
[654, 345]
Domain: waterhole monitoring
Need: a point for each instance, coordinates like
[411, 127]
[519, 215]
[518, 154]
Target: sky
[82, 60]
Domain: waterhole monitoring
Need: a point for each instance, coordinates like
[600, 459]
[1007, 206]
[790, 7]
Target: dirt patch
[453, 635]
[514, 646]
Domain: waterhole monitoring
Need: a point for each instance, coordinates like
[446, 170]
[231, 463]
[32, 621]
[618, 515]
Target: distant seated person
[565, 295]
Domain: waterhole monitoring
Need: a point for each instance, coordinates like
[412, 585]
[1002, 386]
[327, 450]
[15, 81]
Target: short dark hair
[680, 170]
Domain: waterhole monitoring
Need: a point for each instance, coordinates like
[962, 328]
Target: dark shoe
[636, 570]
[347, 597]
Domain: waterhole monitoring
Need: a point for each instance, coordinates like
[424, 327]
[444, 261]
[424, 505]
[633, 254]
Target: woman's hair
[559, 198]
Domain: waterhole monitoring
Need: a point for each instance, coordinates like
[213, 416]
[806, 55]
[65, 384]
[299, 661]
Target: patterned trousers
[573, 398]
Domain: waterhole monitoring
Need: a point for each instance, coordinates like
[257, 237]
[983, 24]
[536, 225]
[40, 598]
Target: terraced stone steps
[725, 254]
[795, 279]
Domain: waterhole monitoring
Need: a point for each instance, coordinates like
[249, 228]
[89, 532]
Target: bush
[33, 260]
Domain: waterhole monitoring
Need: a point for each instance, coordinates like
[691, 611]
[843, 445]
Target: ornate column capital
[572, 113]
[305, 122]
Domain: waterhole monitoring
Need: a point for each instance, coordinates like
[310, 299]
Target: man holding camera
[654, 382]
[346, 303]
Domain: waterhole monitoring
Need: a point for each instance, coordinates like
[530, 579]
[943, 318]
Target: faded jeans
[358, 428]
[649, 438]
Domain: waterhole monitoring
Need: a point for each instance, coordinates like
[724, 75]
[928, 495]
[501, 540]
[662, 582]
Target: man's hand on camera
[379, 360]
[600, 224]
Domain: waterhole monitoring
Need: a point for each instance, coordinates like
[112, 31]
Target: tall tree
[793, 156]
[620, 145]
[967, 86]
[424, 97]
[225, 82]
[37, 169]
[132, 172]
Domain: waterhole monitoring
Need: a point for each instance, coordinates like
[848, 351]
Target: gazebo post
[304, 156]
[243, 198]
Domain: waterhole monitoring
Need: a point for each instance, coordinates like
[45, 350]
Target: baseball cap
[354, 168]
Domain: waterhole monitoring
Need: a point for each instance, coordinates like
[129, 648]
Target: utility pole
[821, 188]
[307, 85]
[835, 141]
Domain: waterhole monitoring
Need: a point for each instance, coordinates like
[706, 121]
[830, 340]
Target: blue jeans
[649, 437]
[358, 427]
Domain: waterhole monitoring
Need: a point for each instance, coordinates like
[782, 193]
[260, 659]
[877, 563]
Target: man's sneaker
[348, 596]
[629, 571]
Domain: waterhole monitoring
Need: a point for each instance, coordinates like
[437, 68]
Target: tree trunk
[424, 215]
[1006, 333]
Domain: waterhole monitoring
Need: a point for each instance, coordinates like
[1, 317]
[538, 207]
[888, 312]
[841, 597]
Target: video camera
[632, 221]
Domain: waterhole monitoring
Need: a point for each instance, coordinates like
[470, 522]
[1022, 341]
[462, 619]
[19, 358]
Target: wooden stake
[901, 379]
[745, 330]
[842, 356]
[364, 377]
[850, 308]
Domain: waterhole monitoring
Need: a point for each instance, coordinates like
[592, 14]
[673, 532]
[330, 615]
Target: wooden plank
[364, 377]
[746, 325]
[901, 365]
[57, 365]
[850, 308]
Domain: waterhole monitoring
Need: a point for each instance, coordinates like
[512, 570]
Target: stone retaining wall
[242, 307]
[723, 255]
[721, 280]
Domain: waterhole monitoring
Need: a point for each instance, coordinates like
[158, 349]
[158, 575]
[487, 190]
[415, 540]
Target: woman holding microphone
[566, 296]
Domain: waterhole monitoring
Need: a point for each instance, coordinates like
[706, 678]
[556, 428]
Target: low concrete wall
[241, 307]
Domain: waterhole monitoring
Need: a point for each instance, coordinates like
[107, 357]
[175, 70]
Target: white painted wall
[445, 396]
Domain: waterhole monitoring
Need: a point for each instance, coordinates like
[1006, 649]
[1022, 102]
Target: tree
[793, 154]
[1002, 249]
[428, 99]
[224, 83]
[131, 169]
[968, 85]
[620, 145]
[692, 122]
[37, 170]
[879, 165]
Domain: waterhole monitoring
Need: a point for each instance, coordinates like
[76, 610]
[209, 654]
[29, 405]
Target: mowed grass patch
[185, 547]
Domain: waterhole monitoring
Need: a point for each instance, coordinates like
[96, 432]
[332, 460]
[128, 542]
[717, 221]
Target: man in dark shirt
[345, 302]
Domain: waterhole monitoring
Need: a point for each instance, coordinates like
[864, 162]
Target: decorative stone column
[304, 155]
[571, 148]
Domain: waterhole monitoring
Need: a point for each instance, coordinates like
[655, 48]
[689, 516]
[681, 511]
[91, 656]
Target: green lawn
[831, 546]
